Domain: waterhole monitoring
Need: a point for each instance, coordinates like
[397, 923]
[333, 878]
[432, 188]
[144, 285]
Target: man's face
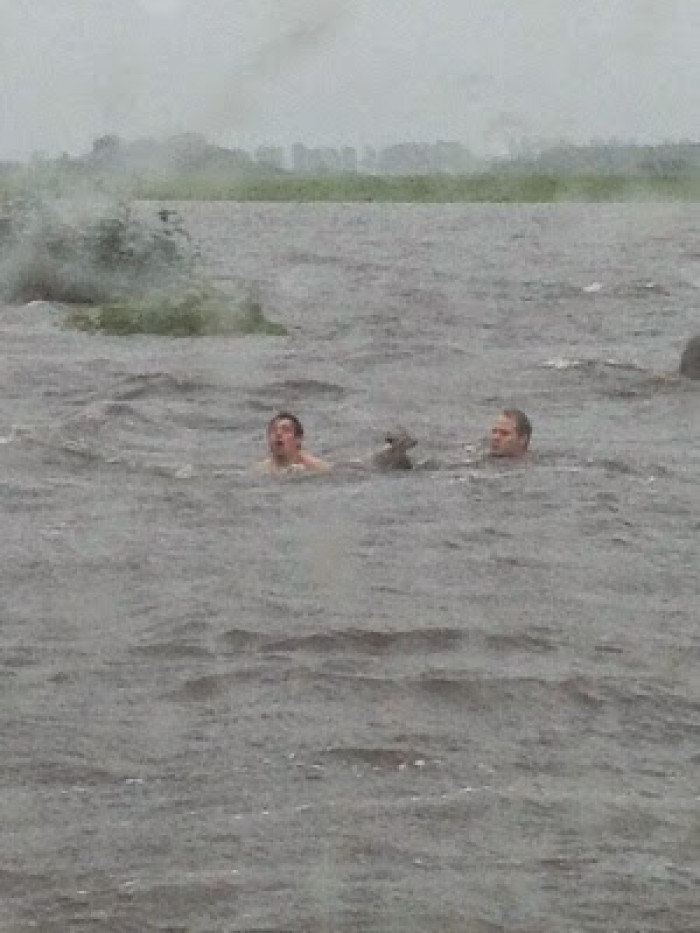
[505, 440]
[281, 439]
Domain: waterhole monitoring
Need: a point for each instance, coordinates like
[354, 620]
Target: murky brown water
[464, 698]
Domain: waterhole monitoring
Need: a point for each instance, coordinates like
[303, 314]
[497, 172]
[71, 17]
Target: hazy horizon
[246, 73]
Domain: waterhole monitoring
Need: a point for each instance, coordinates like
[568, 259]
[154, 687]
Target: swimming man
[510, 434]
[284, 441]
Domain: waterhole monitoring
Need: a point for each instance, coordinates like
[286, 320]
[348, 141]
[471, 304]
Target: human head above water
[297, 426]
[285, 435]
[510, 434]
[284, 438]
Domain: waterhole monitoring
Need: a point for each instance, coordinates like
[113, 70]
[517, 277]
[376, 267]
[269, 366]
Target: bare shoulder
[264, 466]
[314, 464]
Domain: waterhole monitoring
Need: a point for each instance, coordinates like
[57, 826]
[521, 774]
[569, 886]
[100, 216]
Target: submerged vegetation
[120, 271]
[77, 255]
[196, 314]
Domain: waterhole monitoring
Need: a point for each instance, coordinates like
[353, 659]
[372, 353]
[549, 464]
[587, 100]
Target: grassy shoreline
[488, 187]
[439, 189]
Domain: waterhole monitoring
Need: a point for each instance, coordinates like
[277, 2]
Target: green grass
[491, 187]
[507, 185]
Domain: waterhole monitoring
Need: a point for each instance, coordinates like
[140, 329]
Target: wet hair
[690, 359]
[523, 426]
[286, 416]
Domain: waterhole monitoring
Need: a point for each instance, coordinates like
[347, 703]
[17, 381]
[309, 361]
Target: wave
[618, 378]
[241, 639]
[628, 289]
[379, 759]
[159, 384]
[521, 641]
[419, 641]
[587, 363]
[297, 389]
[117, 432]
[172, 651]
[481, 692]
[74, 775]
[201, 689]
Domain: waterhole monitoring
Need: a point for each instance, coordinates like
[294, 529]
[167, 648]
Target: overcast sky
[347, 72]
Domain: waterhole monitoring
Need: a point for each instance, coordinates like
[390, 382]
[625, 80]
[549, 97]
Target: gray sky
[347, 72]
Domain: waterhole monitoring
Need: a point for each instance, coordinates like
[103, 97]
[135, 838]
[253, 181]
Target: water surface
[460, 698]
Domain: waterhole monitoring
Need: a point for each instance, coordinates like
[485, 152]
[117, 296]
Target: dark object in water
[394, 456]
[690, 359]
[5, 227]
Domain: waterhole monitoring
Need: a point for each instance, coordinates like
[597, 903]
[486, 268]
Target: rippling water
[464, 698]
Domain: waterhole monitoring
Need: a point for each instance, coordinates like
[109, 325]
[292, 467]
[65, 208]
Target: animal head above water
[394, 456]
[400, 440]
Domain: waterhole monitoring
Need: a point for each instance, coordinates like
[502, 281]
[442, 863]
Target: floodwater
[461, 698]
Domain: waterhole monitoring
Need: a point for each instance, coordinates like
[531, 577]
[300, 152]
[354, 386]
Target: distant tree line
[610, 158]
[191, 155]
[450, 158]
